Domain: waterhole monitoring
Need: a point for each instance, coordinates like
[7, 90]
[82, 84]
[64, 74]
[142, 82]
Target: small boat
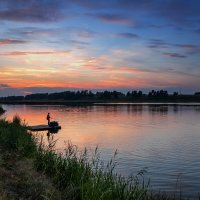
[52, 126]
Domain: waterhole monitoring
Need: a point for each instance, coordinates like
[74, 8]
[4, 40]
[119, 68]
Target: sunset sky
[56, 45]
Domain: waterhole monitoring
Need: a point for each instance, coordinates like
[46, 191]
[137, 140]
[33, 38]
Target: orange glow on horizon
[68, 69]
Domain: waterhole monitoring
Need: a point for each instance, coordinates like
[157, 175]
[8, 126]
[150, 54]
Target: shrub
[1, 110]
[17, 120]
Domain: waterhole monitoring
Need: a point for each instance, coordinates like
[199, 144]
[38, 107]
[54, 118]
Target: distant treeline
[133, 96]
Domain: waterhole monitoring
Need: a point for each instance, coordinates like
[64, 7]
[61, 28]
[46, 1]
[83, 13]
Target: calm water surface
[164, 140]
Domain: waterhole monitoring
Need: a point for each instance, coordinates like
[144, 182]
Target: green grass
[75, 174]
[14, 137]
[85, 178]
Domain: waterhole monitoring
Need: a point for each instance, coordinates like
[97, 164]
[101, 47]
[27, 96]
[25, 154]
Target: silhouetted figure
[48, 118]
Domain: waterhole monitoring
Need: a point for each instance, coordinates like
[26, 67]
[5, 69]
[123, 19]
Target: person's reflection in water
[51, 132]
[48, 134]
[49, 137]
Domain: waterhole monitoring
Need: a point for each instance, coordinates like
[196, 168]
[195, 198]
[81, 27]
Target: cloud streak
[158, 43]
[76, 42]
[126, 35]
[32, 11]
[174, 55]
[30, 15]
[189, 48]
[23, 53]
[161, 44]
[4, 86]
[113, 19]
[4, 42]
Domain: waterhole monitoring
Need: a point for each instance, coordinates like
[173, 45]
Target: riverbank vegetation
[1, 110]
[31, 170]
[19, 180]
[105, 96]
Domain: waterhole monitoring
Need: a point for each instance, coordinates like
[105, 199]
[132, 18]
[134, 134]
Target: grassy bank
[19, 180]
[72, 175]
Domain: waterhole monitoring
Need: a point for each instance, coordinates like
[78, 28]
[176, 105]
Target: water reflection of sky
[163, 139]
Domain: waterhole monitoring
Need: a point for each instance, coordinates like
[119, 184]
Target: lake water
[163, 140]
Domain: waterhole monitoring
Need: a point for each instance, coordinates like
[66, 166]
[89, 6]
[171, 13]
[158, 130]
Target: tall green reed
[87, 178]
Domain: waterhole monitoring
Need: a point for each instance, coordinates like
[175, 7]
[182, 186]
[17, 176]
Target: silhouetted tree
[13, 98]
[128, 94]
[175, 94]
[106, 95]
[39, 96]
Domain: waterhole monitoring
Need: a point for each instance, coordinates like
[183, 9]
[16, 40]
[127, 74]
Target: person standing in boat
[48, 118]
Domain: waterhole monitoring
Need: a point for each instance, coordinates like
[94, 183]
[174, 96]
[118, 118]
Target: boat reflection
[51, 132]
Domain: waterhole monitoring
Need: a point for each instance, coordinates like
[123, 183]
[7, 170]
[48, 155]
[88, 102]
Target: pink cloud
[26, 92]
[4, 42]
[22, 53]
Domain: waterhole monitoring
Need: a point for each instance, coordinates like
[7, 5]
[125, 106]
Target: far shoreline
[102, 103]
